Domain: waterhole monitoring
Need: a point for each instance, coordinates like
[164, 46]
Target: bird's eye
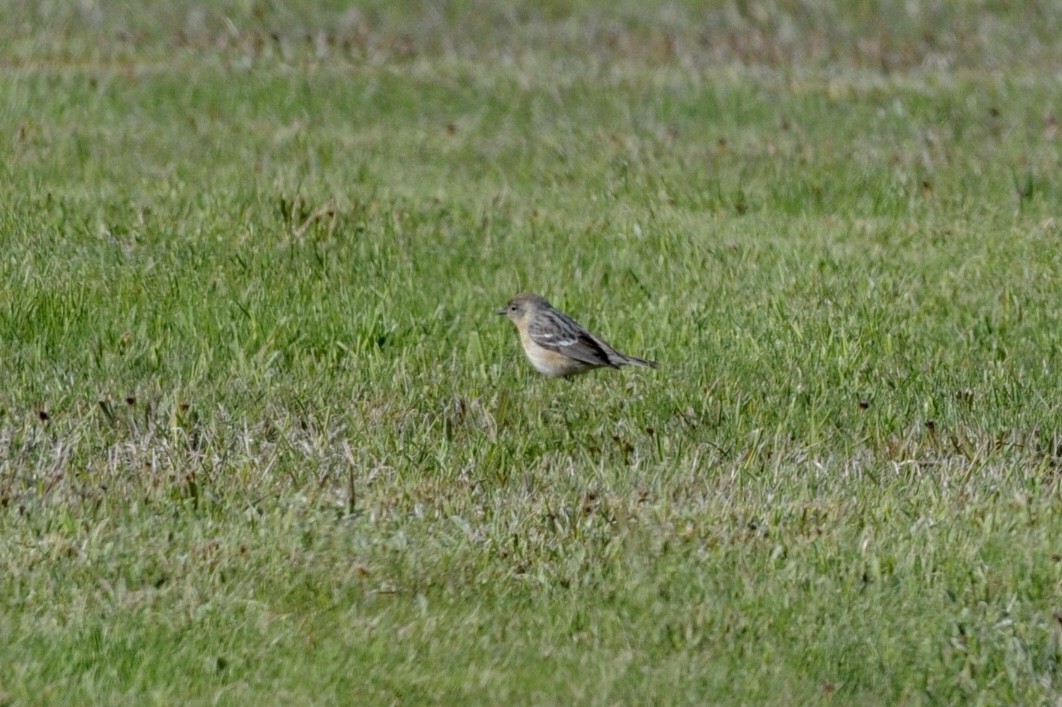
[512, 307]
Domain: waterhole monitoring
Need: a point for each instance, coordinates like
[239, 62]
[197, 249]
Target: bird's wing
[558, 332]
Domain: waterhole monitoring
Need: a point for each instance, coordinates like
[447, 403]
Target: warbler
[557, 345]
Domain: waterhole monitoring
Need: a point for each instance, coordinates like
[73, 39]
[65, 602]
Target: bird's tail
[635, 361]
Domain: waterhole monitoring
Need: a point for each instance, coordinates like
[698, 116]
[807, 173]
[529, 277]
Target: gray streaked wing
[558, 332]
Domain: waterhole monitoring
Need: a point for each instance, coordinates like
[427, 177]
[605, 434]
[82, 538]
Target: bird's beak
[501, 311]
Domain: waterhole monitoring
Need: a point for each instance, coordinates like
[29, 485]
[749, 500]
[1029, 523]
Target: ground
[263, 440]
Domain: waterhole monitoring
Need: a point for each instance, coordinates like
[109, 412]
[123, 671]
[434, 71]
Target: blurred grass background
[261, 438]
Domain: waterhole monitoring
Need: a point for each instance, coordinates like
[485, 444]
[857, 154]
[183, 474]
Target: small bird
[556, 345]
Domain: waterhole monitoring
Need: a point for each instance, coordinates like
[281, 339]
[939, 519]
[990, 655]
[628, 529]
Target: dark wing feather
[558, 332]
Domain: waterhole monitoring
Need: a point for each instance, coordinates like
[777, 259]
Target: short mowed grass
[262, 439]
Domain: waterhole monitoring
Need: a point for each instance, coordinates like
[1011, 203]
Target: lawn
[263, 440]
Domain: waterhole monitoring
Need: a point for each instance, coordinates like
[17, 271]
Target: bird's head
[522, 306]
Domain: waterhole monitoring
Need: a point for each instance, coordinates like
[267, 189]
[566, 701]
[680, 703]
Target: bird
[556, 345]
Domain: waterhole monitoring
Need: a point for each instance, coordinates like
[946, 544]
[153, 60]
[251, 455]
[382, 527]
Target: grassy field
[262, 439]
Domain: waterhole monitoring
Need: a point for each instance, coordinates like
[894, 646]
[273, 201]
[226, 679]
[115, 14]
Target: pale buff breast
[549, 363]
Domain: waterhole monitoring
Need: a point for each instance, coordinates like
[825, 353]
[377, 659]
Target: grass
[262, 440]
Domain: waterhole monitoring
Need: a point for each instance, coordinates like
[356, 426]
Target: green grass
[262, 439]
